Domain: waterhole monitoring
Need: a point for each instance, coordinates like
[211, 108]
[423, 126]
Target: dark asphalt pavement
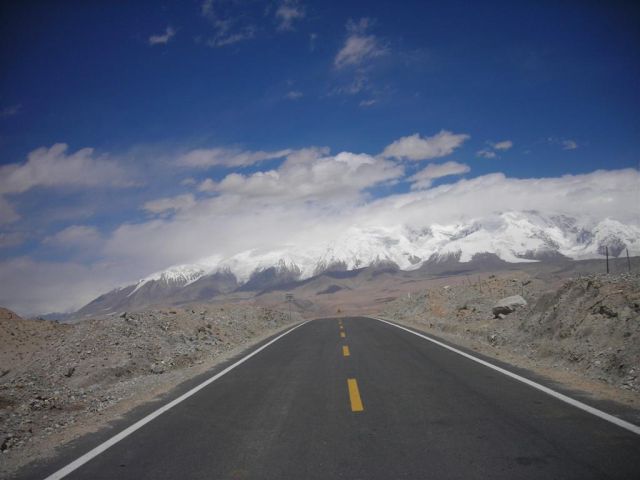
[428, 414]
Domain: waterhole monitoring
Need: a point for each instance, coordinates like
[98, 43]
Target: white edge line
[64, 471]
[582, 406]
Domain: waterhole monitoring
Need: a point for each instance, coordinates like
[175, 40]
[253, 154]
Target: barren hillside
[58, 381]
[589, 325]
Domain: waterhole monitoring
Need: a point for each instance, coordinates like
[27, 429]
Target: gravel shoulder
[581, 332]
[62, 381]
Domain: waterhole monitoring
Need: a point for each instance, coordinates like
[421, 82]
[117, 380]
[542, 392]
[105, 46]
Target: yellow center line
[354, 395]
[342, 335]
[345, 351]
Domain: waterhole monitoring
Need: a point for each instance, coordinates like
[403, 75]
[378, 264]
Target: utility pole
[606, 249]
[289, 298]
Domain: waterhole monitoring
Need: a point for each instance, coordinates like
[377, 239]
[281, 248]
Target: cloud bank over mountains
[228, 200]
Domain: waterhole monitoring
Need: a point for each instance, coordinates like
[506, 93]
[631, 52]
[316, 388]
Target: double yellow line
[352, 383]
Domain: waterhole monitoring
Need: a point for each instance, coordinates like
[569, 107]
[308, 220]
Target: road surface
[360, 399]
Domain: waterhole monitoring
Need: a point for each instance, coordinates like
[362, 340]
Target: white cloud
[207, 185]
[415, 147]
[11, 239]
[486, 153]
[311, 176]
[360, 27]
[250, 214]
[494, 147]
[188, 182]
[424, 177]
[294, 95]
[10, 111]
[31, 287]
[259, 212]
[356, 84]
[227, 157]
[229, 26]
[206, 8]
[223, 40]
[368, 103]
[234, 21]
[504, 145]
[287, 13]
[170, 204]
[356, 49]
[599, 195]
[162, 39]
[564, 143]
[54, 167]
[75, 235]
[8, 214]
[359, 47]
[313, 38]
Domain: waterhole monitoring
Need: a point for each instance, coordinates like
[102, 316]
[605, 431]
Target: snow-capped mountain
[177, 276]
[510, 236]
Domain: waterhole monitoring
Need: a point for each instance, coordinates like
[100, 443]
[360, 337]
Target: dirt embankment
[58, 381]
[587, 326]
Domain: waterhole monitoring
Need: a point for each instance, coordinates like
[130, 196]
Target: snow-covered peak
[512, 236]
[615, 236]
[287, 258]
[179, 275]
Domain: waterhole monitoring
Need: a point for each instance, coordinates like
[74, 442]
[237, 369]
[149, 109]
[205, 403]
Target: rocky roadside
[584, 331]
[59, 381]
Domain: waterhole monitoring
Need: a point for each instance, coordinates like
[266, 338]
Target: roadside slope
[60, 381]
[586, 327]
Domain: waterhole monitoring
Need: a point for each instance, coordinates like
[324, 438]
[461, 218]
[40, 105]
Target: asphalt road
[396, 407]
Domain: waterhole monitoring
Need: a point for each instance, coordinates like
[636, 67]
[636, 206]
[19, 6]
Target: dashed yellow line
[342, 335]
[354, 395]
[345, 351]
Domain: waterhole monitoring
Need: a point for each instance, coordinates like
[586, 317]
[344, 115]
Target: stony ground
[588, 325]
[58, 381]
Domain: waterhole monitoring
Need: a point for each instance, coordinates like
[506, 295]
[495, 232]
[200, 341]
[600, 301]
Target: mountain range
[512, 237]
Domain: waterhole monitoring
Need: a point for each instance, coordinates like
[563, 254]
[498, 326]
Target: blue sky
[189, 103]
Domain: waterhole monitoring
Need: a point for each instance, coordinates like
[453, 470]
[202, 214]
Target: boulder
[508, 305]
